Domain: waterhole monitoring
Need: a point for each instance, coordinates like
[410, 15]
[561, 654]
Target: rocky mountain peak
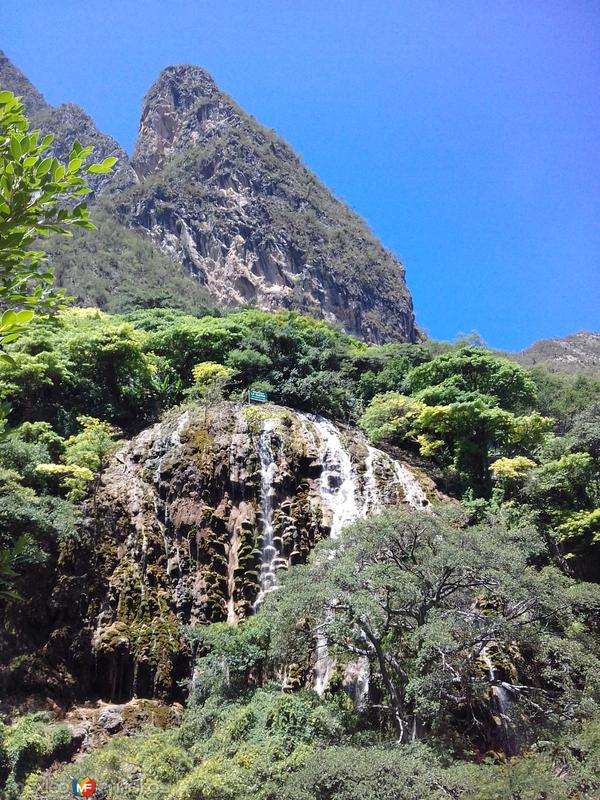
[187, 82]
[230, 205]
[236, 206]
[183, 106]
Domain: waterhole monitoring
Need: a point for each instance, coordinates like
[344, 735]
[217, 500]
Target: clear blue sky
[465, 131]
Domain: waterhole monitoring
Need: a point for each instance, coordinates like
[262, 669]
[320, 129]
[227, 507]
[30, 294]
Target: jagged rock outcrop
[193, 522]
[250, 221]
[231, 204]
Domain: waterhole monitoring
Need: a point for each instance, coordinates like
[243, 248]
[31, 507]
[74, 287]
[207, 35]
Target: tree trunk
[395, 700]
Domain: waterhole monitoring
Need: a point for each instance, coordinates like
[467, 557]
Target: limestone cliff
[250, 221]
[194, 522]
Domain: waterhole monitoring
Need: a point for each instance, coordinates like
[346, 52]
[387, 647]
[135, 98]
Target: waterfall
[413, 493]
[323, 661]
[339, 489]
[372, 500]
[346, 500]
[271, 558]
[500, 702]
[338, 479]
[357, 676]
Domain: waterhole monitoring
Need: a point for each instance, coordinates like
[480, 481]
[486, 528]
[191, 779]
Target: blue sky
[465, 131]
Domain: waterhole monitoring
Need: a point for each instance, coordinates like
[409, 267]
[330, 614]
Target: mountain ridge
[67, 122]
[577, 352]
[228, 206]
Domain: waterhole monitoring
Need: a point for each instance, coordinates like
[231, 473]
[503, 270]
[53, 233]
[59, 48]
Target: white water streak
[271, 557]
[338, 482]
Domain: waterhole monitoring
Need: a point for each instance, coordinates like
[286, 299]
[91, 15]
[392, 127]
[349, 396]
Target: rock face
[246, 217]
[194, 525]
[232, 205]
[191, 525]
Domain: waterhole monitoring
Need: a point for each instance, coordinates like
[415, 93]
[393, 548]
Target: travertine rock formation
[194, 521]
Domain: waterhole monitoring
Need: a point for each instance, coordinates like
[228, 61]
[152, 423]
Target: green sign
[257, 397]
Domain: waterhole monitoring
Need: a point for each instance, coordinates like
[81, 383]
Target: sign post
[257, 397]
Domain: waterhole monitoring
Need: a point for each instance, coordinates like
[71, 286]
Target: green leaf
[44, 166]
[74, 165]
[10, 338]
[98, 169]
[103, 168]
[15, 148]
[8, 319]
[24, 316]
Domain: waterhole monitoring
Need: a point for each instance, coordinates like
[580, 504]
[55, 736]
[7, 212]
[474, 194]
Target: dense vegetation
[496, 583]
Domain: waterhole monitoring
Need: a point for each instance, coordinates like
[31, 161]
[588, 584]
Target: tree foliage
[427, 602]
[38, 196]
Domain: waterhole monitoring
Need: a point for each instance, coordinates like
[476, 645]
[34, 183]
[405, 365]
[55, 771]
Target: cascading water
[372, 499]
[346, 501]
[339, 490]
[323, 662]
[338, 486]
[413, 493]
[500, 702]
[338, 479]
[271, 558]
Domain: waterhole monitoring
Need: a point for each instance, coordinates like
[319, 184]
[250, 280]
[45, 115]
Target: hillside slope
[579, 352]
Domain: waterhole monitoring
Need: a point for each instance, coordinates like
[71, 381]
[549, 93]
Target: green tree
[210, 380]
[29, 743]
[468, 371]
[461, 434]
[82, 362]
[584, 433]
[38, 196]
[428, 603]
[370, 773]
[563, 396]
[85, 456]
